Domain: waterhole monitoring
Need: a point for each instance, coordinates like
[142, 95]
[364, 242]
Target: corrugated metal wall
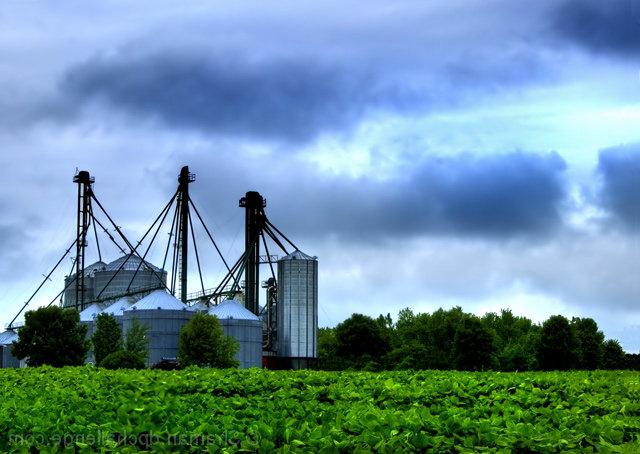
[163, 330]
[248, 333]
[297, 308]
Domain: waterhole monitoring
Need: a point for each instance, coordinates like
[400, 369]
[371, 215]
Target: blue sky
[480, 153]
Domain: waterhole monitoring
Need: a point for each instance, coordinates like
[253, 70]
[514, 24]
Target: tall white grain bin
[164, 316]
[297, 316]
[245, 327]
[6, 358]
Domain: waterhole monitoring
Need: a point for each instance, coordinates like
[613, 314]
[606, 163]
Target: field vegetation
[83, 409]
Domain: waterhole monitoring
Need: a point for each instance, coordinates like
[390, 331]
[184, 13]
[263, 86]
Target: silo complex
[245, 327]
[164, 316]
[6, 358]
[297, 316]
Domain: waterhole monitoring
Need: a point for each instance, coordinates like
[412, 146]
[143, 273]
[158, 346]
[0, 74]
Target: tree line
[454, 339]
[55, 337]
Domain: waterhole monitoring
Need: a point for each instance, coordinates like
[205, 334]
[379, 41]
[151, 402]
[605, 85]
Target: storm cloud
[291, 100]
[611, 26]
[619, 168]
[498, 196]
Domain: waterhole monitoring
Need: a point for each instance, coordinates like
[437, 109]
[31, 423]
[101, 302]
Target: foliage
[557, 345]
[361, 341]
[52, 336]
[107, 337]
[453, 339]
[122, 359]
[137, 340]
[473, 345]
[632, 361]
[613, 356]
[328, 358]
[589, 343]
[203, 343]
[206, 410]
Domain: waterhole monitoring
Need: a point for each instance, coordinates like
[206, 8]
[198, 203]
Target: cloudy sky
[431, 154]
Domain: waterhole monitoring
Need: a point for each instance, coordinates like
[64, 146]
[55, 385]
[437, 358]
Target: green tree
[361, 341]
[557, 344]
[473, 345]
[52, 336]
[589, 343]
[613, 356]
[327, 348]
[137, 340]
[122, 360]
[107, 338]
[442, 326]
[514, 340]
[203, 343]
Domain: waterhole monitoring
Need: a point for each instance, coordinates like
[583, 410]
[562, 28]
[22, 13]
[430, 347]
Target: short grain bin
[164, 316]
[245, 327]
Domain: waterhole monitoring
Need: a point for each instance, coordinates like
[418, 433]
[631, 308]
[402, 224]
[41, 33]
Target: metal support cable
[124, 238]
[95, 231]
[173, 225]
[176, 258]
[43, 282]
[104, 229]
[210, 236]
[195, 248]
[231, 272]
[266, 249]
[279, 232]
[275, 238]
[165, 210]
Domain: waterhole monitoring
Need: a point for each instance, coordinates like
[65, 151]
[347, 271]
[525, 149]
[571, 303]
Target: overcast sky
[484, 154]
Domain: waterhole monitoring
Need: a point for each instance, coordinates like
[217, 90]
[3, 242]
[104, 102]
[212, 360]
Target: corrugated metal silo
[164, 316]
[145, 277]
[7, 359]
[245, 327]
[297, 318]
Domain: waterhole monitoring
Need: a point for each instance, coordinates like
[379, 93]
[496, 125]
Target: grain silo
[164, 316]
[127, 273]
[7, 360]
[297, 314]
[243, 326]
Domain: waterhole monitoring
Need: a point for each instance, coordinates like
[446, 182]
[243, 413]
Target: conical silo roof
[118, 307]
[232, 309]
[7, 337]
[131, 262]
[298, 255]
[90, 312]
[158, 300]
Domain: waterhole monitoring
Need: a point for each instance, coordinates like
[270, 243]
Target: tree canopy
[453, 339]
[203, 343]
[107, 337]
[52, 336]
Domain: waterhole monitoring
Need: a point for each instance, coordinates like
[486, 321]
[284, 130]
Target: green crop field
[87, 409]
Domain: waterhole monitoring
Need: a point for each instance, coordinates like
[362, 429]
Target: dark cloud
[288, 99]
[274, 99]
[620, 194]
[502, 196]
[611, 26]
